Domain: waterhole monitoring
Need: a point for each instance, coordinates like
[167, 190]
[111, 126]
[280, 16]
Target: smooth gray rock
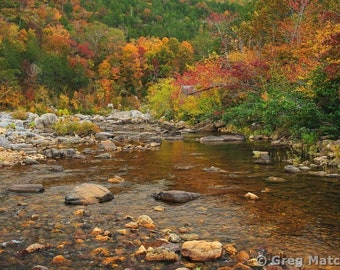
[4, 143]
[45, 120]
[26, 188]
[102, 136]
[60, 153]
[30, 161]
[291, 169]
[175, 196]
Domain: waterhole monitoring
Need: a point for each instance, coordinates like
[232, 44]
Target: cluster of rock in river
[31, 140]
[181, 250]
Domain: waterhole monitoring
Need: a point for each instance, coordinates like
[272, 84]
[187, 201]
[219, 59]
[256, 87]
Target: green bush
[160, 99]
[282, 111]
[71, 126]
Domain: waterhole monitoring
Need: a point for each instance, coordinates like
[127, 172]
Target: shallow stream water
[299, 217]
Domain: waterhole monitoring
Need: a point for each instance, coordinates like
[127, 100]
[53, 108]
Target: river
[299, 217]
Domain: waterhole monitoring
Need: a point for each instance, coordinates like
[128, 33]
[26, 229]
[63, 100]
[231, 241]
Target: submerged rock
[251, 196]
[214, 169]
[85, 194]
[103, 156]
[60, 153]
[274, 179]
[175, 196]
[116, 179]
[26, 188]
[222, 138]
[291, 169]
[262, 157]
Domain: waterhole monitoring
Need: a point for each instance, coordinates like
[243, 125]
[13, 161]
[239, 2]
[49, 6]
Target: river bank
[32, 140]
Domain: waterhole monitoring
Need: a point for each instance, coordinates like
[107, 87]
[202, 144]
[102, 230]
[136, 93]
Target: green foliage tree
[327, 98]
[56, 74]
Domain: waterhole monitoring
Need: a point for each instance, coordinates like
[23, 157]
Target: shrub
[327, 97]
[20, 114]
[160, 99]
[283, 111]
[71, 126]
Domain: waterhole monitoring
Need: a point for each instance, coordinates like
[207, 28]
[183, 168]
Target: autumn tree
[12, 46]
[56, 39]
[130, 71]
[103, 40]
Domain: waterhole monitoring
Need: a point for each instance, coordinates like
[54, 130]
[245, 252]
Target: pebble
[159, 208]
[251, 196]
[230, 249]
[60, 259]
[242, 256]
[116, 179]
[190, 236]
[146, 222]
[35, 217]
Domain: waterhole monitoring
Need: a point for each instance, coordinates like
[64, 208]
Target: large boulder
[86, 193]
[201, 251]
[45, 120]
[175, 196]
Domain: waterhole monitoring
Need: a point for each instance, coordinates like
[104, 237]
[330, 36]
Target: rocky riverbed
[100, 236]
[33, 140]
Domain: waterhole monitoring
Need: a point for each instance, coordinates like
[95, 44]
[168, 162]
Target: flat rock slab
[86, 193]
[27, 188]
[175, 196]
[222, 138]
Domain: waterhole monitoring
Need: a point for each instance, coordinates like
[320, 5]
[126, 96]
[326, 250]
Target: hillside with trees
[261, 66]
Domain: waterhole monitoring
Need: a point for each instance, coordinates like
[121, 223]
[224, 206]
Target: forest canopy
[273, 64]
